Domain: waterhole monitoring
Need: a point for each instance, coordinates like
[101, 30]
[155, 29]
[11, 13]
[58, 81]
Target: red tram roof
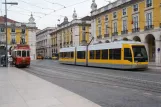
[20, 46]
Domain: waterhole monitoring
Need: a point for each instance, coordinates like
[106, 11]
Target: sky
[47, 12]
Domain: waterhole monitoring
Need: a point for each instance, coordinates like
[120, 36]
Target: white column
[158, 53]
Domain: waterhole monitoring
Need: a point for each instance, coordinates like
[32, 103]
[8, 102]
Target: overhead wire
[31, 11]
[65, 8]
[35, 5]
[55, 3]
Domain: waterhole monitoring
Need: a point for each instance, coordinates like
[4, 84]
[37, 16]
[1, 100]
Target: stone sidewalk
[21, 89]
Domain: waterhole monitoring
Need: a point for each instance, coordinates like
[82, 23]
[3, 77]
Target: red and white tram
[21, 55]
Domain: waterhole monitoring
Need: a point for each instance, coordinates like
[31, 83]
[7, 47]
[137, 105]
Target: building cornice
[72, 23]
[113, 7]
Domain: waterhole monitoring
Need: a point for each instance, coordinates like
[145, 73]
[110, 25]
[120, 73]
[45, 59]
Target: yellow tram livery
[119, 55]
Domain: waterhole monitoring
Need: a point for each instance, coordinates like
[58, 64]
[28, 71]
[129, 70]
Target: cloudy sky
[47, 12]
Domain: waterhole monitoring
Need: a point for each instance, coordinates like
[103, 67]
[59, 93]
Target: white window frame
[147, 21]
[146, 4]
[113, 15]
[124, 23]
[124, 11]
[136, 22]
[106, 29]
[99, 30]
[99, 20]
[134, 8]
[106, 17]
[115, 29]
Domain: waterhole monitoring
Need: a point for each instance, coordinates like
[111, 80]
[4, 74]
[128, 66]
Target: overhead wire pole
[12, 3]
[6, 33]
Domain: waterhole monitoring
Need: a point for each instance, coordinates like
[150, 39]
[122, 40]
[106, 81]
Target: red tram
[21, 55]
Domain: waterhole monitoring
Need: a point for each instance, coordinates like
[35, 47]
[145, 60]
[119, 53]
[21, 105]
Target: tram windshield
[140, 54]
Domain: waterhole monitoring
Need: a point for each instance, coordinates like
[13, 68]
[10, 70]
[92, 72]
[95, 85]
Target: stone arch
[107, 41]
[150, 40]
[137, 38]
[125, 39]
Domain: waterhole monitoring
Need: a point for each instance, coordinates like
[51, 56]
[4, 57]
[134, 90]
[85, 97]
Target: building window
[83, 28]
[83, 36]
[114, 14]
[99, 30]
[23, 31]
[1, 29]
[13, 30]
[135, 7]
[149, 19]
[115, 27]
[99, 20]
[106, 29]
[148, 3]
[124, 25]
[106, 17]
[124, 11]
[135, 22]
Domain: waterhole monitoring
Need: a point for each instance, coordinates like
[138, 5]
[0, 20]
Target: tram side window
[127, 54]
[115, 54]
[19, 53]
[105, 54]
[81, 54]
[72, 54]
[23, 53]
[98, 54]
[28, 53]
[92, 54]
[68, 55]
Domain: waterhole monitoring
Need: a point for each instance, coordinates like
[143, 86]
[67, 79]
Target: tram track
[96, 78]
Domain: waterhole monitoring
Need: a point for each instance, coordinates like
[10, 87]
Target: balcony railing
[115, 34]
[106, 35]
[99, 37]
[135, 30]
[124, 32]
[149, 27]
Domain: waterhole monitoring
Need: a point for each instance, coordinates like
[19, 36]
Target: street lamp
[11, 3]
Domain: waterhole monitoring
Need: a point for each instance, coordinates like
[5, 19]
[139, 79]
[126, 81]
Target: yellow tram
[119, 55]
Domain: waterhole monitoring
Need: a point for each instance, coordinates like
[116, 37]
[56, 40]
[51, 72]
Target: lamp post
[11, 3]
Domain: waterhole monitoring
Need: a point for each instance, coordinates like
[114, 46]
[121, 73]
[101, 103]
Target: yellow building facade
[70, 34]
[19, 33]
[138, 20]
